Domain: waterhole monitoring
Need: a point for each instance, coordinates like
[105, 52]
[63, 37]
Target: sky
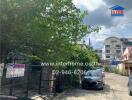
[99, 15]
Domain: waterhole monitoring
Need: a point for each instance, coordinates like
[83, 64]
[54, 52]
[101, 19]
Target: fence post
[40, 80]
[11, 87]
[28, 74]
[11, 80]
[54, 87]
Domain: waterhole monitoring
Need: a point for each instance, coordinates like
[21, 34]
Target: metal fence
[32, 83]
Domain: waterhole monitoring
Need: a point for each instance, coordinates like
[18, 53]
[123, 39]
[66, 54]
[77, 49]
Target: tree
[44, 28]
[82, 55]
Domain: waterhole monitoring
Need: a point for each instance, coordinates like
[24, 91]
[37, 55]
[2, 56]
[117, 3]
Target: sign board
[15, 70]
[114, 62]
[117, 11]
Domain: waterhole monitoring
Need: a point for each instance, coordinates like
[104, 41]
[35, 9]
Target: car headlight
[100, 80]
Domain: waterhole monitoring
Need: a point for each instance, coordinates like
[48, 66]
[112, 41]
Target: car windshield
[92, 73]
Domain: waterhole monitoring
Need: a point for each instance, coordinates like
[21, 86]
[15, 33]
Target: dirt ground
[115, 89]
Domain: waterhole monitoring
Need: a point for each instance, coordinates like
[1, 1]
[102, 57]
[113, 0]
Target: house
[127, 55]
[117, 11]
[83, 46]
[126, 65]
[127, 59]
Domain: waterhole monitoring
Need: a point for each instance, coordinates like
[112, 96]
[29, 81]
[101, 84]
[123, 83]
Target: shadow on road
[85, 92]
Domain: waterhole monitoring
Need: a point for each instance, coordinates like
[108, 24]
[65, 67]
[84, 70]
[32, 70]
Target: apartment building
[99, 52]
[112, 49]
[127, 42]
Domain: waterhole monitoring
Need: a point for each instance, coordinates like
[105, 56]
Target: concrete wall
[121, 68]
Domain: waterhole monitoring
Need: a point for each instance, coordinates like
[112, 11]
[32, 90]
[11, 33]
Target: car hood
[94, 78]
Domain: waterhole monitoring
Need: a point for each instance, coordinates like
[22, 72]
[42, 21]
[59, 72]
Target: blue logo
[117, 11]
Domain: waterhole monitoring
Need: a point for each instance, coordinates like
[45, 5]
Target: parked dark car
[5, 97]
[93, 79]
[130, 85]
[101, 71]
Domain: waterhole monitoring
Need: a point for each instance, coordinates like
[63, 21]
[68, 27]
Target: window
[96, 50]
[113, 41]
[107, 51]
[118, 51]
[107, 46]
[118, 46]
[129, 43]
[100, 51]
[107, 56]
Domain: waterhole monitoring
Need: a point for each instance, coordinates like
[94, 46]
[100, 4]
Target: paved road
[115, 89]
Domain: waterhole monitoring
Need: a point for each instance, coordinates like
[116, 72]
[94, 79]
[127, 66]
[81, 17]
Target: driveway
[115, 89]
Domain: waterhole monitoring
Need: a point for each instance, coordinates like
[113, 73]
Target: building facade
[99, 52]
[112, 49]
[127, 42]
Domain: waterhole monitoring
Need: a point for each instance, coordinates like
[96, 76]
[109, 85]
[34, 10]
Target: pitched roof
[130, 49]
[117, 8]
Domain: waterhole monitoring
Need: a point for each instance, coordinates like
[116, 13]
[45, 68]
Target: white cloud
[120, 30]
[99, 14]
[126, 19]
[90, 5]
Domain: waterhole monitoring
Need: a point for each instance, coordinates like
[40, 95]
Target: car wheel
[130, 92]
[102, 88]
[83, 85]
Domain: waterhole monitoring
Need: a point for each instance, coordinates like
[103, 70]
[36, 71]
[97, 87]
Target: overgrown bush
[113, 70]
[107, 69]
[116, 71]
[72, 81]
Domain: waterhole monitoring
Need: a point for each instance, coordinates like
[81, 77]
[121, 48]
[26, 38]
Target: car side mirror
[103, 75]
[130, 77]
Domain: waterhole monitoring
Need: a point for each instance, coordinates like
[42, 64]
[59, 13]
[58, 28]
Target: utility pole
[89, 42]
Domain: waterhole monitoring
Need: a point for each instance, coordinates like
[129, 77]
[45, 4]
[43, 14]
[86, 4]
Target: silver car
[130, 85]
